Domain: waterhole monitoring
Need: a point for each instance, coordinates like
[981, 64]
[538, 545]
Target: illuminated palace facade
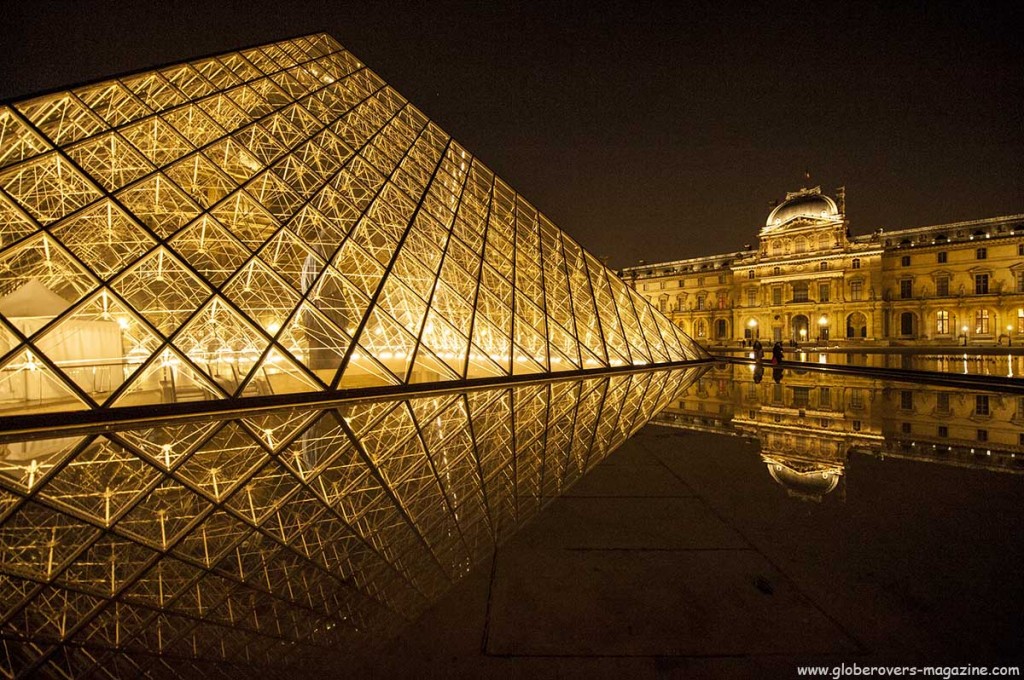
[810, 280]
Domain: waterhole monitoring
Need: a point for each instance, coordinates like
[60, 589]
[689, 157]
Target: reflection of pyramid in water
[278, 220]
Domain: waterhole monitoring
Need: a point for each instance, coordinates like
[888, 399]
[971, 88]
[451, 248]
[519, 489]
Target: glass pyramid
[278, 220]
[286, 540]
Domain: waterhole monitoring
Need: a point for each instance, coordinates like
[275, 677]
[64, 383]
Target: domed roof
[812, 483]
[806, 203]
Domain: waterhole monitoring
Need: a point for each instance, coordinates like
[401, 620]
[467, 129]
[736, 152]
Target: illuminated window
[700, 302]
[942, 322]
[777, 270]
[1020, 282]
[981, 322]
[856, 399]
[801, 245]
[702, 329]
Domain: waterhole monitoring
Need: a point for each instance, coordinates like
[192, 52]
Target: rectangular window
[680, 283]
[700, 302]
[1020, 282]
[942, 403]
[752, 297]
[981, 322]
[856, 399]
[905, 428]
[981, 253]
[856, 290]
[942, 322]
[800, 292]
[1020, 249]
[856, 426]
[942, 286]
[981, 405]
[981, 284]
[905, 261]
[721, 278]
[982, 435]
[906, 400]
[723, 301]
[750, 274]
[700, 280]
[777, 295]
[941, 257]
[1020, 320]
[856, 263]
[661, 285]
[823, 292]
[943, 431]
[801, 397]
[777, 393]
[906, 289]
[825, 397]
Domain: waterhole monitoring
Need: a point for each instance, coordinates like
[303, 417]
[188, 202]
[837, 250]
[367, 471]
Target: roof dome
[807, 203]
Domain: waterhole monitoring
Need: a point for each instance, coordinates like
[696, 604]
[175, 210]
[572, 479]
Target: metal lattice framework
[279, 220]
[286, 538]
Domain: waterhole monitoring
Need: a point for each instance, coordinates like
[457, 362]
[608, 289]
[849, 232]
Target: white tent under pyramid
[279, 220]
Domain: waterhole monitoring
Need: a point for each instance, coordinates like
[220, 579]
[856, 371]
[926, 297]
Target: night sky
[644, 130]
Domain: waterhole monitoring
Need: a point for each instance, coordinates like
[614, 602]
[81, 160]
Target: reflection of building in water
[810, 422]
[809, 280]
[288, 538]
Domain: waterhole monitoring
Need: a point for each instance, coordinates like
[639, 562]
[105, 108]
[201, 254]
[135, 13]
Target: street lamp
[823, 328]
[963, 335]
[1009, 337]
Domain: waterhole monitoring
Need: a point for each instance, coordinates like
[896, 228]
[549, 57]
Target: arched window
[942, 322]
[702, 329]
[801, 244]
[776, 247]
[856, 326]
[856, 263]
[824, 241]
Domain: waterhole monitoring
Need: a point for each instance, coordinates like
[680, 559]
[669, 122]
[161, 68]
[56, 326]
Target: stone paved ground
[679, 556]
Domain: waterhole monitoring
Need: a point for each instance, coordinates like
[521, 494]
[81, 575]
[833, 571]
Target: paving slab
[652, 603]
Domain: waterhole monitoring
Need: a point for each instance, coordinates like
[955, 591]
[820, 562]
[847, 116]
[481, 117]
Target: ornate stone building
[810, 280]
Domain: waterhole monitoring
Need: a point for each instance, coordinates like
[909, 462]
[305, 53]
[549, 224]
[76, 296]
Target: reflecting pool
[291, 539]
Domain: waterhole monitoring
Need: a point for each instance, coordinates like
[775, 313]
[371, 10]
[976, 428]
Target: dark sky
[645, 130]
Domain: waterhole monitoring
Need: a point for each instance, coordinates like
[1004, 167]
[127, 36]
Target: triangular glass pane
[104, 238]
[211, 249]
[15, 224]
[159, 204]
[99, 345]
[222, 344]
[315, 341]
[48, 186]
[247, 220]
[111, 160]
[17, 141]
[262, 295]
[278, 374]
[48, 278]
[168, 378]
[162, 289]
[200, 179]
[27, 385]
[164, 445]
[157, 140]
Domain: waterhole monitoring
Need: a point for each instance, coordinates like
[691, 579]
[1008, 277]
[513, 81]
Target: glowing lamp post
[823, 328]
[963, 335]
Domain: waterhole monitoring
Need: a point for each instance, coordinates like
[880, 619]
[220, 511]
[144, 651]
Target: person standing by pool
[758, 351]
[777, 352]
